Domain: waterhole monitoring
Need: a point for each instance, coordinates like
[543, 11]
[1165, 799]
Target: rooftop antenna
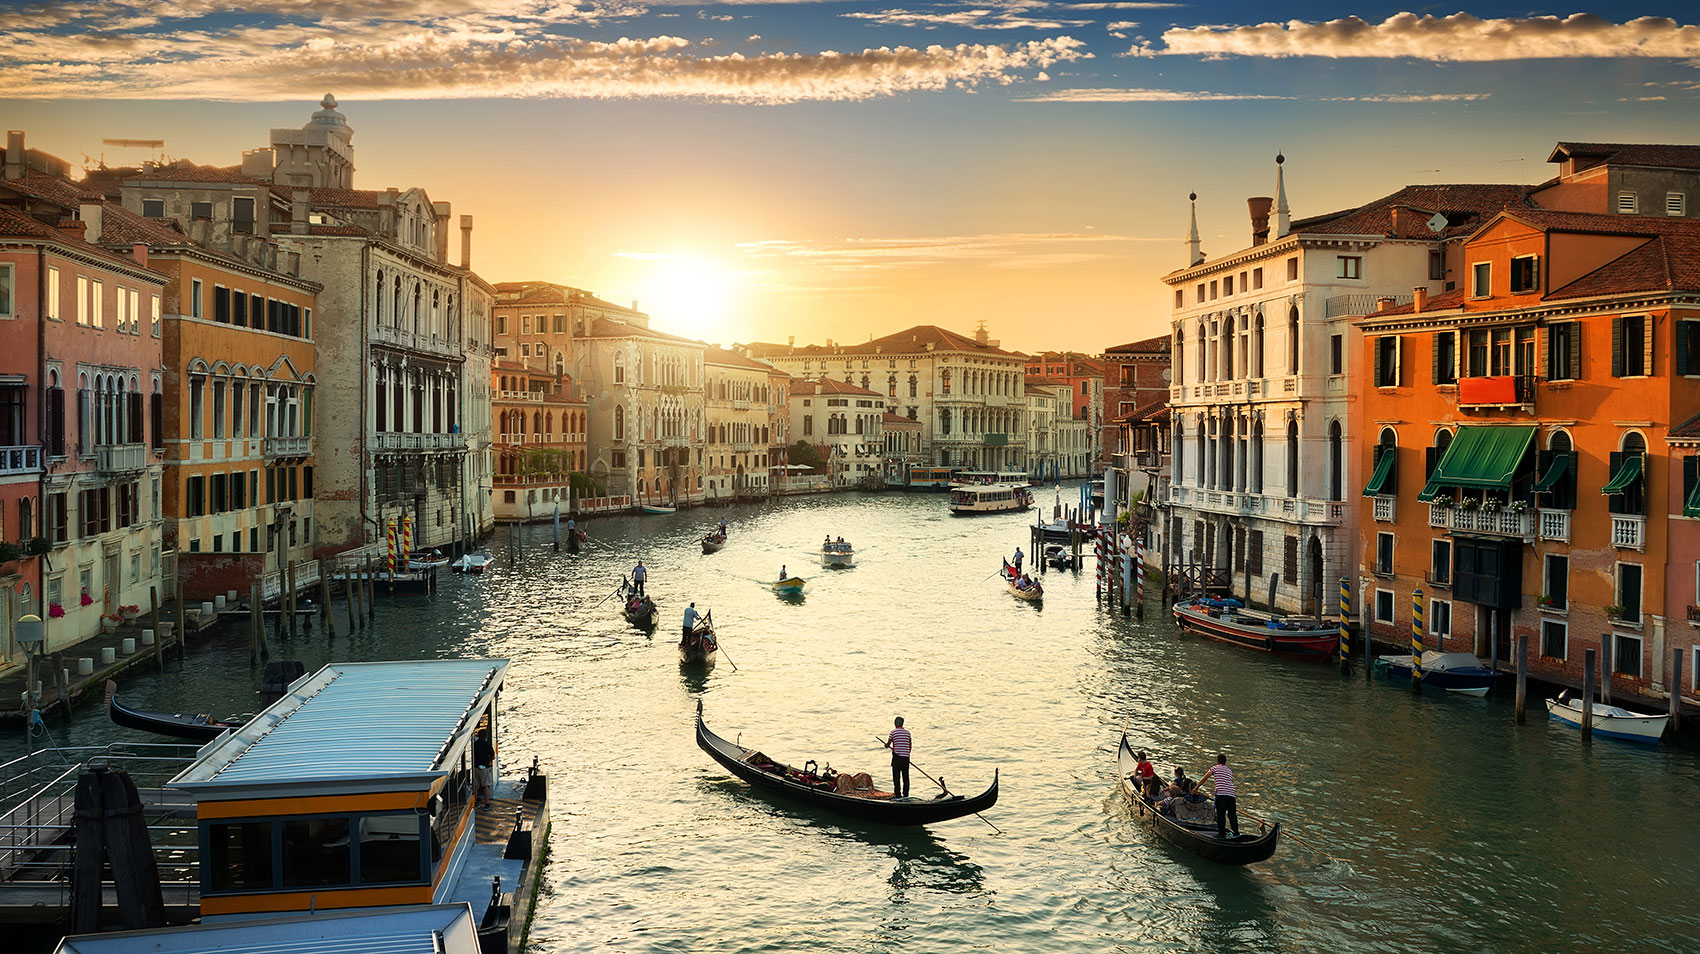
[156, 148]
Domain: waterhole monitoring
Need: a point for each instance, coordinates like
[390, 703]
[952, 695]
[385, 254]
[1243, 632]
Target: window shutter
[1647, 345]
[1684, 342]
[1398, 355]
[1617, 346]
[1434, 357]
[1690, 474]
[1380, 372]
[1575, 332]
[1547, 371]
[1431, 456]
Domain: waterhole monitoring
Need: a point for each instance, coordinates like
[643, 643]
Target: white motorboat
[472, 563]
[837, 553]
[1613, 721]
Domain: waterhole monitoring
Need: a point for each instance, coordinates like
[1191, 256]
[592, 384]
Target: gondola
[575, 538]
[199, 728]
[1198, 839]
[643, 616]
[1032, 594]
[700, 645]
[813, 789]
[713, 542]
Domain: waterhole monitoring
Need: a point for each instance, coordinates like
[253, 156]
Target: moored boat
[847, 794]
[426, 560]
[200, 728]
[713, 542]
[1032, 592]
[969, 499]
[1056, 557]
[473, 563]
[1613, 721]
[1462, 673]
[1197, 837]
[658, 509]
[790, 586]
[639, 611]
[1228, 621]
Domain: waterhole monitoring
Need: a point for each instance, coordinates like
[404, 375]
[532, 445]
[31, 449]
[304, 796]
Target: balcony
[288, 446]
[1504, 523]
[1628, 531]
[420, 442]
[1554, 525]
[996, 440]
[1384, 509]
[742, 447]
[432, 344]
[740, 404]
[1351, 306]
[1504, 391]
[120, 458]
[21, 459]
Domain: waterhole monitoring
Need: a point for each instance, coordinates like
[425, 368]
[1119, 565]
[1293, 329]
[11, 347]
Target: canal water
[1410, 823]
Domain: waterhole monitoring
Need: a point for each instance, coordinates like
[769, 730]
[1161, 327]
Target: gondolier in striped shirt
[1227, 811]
[899, 743]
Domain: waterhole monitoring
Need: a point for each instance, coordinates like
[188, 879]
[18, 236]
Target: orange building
[540, 427]
[1516, 429]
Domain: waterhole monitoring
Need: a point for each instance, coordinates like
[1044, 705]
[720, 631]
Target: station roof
[413, 929]
[351, 727]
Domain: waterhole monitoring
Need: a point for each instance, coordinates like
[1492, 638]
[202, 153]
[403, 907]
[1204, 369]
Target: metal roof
[349, 727]
[414, 929]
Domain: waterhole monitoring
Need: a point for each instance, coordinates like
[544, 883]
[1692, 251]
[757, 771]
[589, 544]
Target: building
[1262, 395]
[540, 431]
[1135, 374]
[966, 391]
[1076, 436]
[902, 447]
[1044, 406]
[1682, 580]
[844, 423]
[1525, 463]
[737, 401]
[778, 429]
[82, 390]
[644, 389]
[1085, 377]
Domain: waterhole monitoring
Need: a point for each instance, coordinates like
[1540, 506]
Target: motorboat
[472, 563]
[1609, 720]
[1462, 673]
[837, 553]
[1228, 621]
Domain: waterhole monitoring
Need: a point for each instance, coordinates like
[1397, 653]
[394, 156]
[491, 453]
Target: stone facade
[738, 400]
[845, 424]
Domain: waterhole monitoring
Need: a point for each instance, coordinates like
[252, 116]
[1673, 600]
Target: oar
[709, 619]
[941, 785]
[610, 596]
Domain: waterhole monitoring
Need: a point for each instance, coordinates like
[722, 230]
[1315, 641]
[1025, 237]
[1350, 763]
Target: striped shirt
[900, 741]
[1223, 777]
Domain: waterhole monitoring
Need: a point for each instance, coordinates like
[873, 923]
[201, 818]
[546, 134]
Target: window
[1555, 637]
[1384, 554]
[1440, 562]
[196, 407]
[221, 304]
[1629, 346]
[1564, 351]
[1440, 617]
[1180, 298]
[1387, 361]
[316, 852]
[1629, 591]
[218, 409]
[1384, 606]
[1200, 296]
[154, 316]
[1444, 355]
[1525, 273]
[1257, 278]
[153, 208]
[97, 303]
[1688, 347]
[241, 857]
[200, 210]
[1349, 266]
[52, 301]
[1628, 203]
[1290, 560]
[1292, 269]
[1436, 266]
[1336, 354]
[1481, 279]
[82, 300]
[195, 298]
[1213, 289]
[1626, 655]
[1555, 581]
[1228, 286]
[242, 215]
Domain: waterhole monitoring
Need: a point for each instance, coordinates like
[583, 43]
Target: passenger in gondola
[1144, 773]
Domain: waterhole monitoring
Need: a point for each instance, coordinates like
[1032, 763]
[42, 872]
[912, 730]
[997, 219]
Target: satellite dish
[1437, 223]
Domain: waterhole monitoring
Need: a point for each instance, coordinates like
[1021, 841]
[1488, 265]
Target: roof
[1465, 206]
[804, 388]
[889, 419]
[908, 341]
[402, 929]
[1670, 156]
[15, 224]
[1687, 430]
[713, 354]
[1158, 345]
[50, 187]
[351, 727]
[119, 226]
[191, 173]
[1151, 412]
[323, 198]
[604, 327]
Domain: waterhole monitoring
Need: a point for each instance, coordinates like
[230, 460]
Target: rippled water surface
[1411, 824]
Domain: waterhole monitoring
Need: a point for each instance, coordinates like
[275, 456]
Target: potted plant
[55, 611]
[129, 611]
[10, 552]
[1547, 600]
[109, 622]
[86, 599]
[38, 546]
[1467, 504]
[1490, 505]
[1518, 506]
[1616, 610]
[1444, 503]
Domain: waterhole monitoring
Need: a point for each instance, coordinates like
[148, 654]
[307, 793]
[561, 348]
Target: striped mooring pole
[1416, 639]
[390, 554]
[1139, 575]
[1098, 551]
[1345, 622]
[407, 537]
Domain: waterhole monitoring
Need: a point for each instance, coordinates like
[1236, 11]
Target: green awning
[1383, 471]
[1691, 506]
[1555, 472]
[1628, 472]
[1430, 491]
[1483, 456]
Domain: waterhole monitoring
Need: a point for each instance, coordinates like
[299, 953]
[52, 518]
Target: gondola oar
[617, 591]
[709, 619]
[940, 784]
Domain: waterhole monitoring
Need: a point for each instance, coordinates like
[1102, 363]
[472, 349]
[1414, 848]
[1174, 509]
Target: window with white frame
[1349, 266]
[1440, 617]
[195, 298]
[1555, 638]
[7, 290]
[155, 316]
[1481, 279]
[97, 302]
[1676, 203]
[1384, 606]
[82, 299]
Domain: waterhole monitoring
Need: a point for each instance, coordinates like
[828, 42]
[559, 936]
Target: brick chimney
[300, 211]
[139, 252]
[1419, 299]
[1260, 206]
[14, 153]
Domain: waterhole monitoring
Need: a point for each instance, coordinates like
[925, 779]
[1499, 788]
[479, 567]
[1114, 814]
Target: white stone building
[844, 420]
[648, 433]
[737, 396]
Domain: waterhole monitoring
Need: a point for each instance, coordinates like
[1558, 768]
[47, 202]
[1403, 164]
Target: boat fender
[1269, 643]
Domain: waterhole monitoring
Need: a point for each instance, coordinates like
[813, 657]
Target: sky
[830, 170]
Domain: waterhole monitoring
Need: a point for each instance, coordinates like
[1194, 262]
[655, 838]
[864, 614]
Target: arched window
[1256, 463]
[1180, 453]
[619, 423]
[1336, 462]
[1203, 355]
[914, 383]
[944, 381]
[1257, 346]
[1293, 340]
[1292, 458]
[1180, 358]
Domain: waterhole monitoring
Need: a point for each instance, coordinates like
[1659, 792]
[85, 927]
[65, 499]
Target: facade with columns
[738, 398]
[845, 423]
[644, 388]
[968, 393]
[1264, 383]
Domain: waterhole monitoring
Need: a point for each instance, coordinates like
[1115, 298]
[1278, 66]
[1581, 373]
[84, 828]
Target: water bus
[988, 498]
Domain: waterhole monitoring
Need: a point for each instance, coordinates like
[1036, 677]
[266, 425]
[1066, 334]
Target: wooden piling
[135, 873]
[182, 616]
[153, 616]
[1675, 682]
[1605, 668]
[1522, 675]
[256, 624]
[290, 569]
[371, 580]
[348, 593]
[1587, 694]
[325, 596]
[88, 834]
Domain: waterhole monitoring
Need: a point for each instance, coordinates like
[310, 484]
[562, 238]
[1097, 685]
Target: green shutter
[1434, 356]
[1575, 329]
[1553, 471]
[1379, 482]
[1625, 472]
[1685, 351]
[1617, 346]
[1691, 486]
[1380, 378]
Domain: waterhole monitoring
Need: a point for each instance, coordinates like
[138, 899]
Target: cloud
[1141, 96]
[1007, 16]
[991, 250]
[752, 38]
[1459, 37]
[1409, 98]
[373, 61]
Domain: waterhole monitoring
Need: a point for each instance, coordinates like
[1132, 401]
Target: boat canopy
[1441, 662]
[1383, 471]
[1484, 456]
[1627, 473]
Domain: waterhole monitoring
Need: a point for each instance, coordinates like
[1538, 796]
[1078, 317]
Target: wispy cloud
[998, 15]
[1138, 95]
[990, 250]
[1459, 37]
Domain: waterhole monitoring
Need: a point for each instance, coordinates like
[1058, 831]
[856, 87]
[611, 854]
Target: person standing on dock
[900, 745]
[640, 576]
[484, 766]
[1227, 810]
[690, 621]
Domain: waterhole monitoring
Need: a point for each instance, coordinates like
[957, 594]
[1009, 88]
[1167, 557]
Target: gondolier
[1019, 556]
[1227, 813]
[900, 745]
[691, 617]
[640, 576]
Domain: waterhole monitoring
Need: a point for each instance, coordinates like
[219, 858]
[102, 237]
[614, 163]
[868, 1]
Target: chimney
[89, 211]
[791, 340]
[300, 208]
[1259, 205]
[76, 227]
[1383, 303]
[1419, 299]
[139, 252]
[1283, 220]
[441, 210]
[1194, 255]
[466, 242]
[14, 153]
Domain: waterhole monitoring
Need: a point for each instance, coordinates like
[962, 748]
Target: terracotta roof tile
[232, 174]
[1668, 262]
[888, 419]
[18, 225]
[1670, 156]
[52, 188]
[612, 328]
[1465, 206]
[1688, 430]
[1158, 345]
[805, 388]
[717, 355]
[908, 341]
[325, 229]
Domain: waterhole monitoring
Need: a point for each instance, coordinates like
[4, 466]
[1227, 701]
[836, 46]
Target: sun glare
[689, 295]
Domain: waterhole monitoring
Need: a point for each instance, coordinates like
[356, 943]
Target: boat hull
[658, 511]
[199, 728]
[1631, 728]
[1465, 682]
[837, 557]
[1311, 645]
[1198, 840]
[697, 649]
[712, 544]
[790, 587]
[910, 811]
[643, 618]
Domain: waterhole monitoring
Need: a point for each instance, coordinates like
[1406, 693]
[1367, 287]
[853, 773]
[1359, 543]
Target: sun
[689, 295]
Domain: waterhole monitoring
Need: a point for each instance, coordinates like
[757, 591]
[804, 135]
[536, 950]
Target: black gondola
[1198, 839]
[198, 728]
[574, 539]
[640, 613]
[809, 787]
[700, 645]
[713, 542]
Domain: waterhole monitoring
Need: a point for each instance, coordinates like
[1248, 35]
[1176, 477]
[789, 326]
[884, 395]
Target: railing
[1384, 509]
[289, 446]
[612, 504]
[1350, 306]
[740, 404]
[1628, 530]
[20, 459]
[534, 397]
[389, 334]
[1437, 515]
[120, 458]
[392, 440]
[742, 446]
[1506, 523]
[1554, 525]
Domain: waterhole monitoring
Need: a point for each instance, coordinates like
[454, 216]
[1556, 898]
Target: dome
[327, 115]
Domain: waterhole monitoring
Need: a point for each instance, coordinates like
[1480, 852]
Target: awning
[1555, 472]
[1628, 472]
[1483, 456]
[1383, 471]
[1691, 506]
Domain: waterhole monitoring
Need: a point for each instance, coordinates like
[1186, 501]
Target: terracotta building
[1085, 377]
[540, 426]
[1134, 375]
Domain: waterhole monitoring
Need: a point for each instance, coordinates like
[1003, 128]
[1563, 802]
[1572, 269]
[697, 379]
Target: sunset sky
[840, 170]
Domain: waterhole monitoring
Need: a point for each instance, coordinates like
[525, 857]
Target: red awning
[1500, 390]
